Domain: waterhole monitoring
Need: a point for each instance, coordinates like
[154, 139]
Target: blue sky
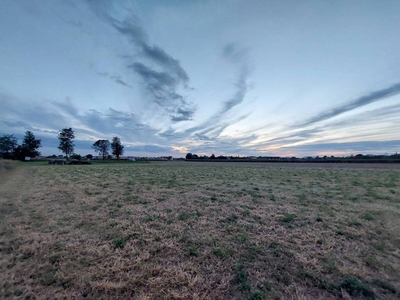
[226, 77]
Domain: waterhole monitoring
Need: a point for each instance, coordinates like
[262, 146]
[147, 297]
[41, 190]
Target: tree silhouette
[31, 144]
[117, 147]
[8, 144]
[102, 147]
[66, 137]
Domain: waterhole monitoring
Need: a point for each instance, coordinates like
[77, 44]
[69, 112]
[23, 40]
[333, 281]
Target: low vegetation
[198, 231]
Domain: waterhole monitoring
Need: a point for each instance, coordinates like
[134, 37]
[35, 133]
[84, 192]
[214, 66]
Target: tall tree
[8, 144]
[31, 144]
[102, 147]
[117, 147]
[66, 137]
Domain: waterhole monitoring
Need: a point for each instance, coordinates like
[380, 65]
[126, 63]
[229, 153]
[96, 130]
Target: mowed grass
[199, 231]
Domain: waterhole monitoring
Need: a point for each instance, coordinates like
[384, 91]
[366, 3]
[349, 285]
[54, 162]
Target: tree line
[10, 149]
[212, 156]
[103, 147]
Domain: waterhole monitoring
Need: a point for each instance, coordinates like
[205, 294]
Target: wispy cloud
[359, 102]
[164, 79]
[211, 131]
[364, 147]
[299, 135]
[368, 122]
[161, 85]
[115, 78]
[156, 54]
[211, 128]
[49, 117]
[226, 146]
[241, 90]
[182, 114]
[162, 75]
[238, 56]
[131, 29]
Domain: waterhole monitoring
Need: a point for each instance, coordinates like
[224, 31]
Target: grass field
[198, 231]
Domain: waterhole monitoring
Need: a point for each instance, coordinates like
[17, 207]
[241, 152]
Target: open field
[199, 231]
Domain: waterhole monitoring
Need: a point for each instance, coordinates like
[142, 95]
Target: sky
[229, 77]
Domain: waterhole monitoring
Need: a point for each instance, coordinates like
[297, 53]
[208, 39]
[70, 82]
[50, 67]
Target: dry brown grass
[5, 167]
[199, 231]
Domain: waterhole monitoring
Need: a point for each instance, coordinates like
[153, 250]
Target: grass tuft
[287, 218]
[356, 288]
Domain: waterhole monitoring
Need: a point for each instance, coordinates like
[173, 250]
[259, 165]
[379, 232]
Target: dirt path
[13, 181]
[11, 175]
[11, 189]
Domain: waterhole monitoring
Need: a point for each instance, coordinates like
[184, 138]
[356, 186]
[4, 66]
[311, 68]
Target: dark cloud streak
[237, 56]
[115, 78]
[241, 90]
[182, 115]
[359, 102]
[163, 82]
[217, 123]
[158, 55]
[162, 87]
